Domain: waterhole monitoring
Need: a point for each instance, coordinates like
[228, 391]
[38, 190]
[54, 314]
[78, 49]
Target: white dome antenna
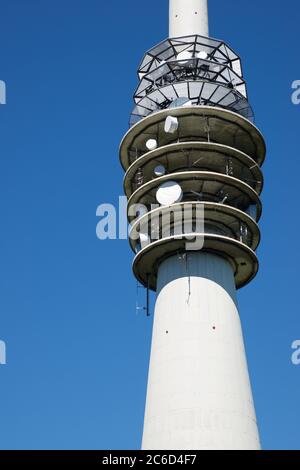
[169, 193]
[151, 144]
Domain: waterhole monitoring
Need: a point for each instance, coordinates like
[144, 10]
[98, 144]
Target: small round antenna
[151, 144]
[159, 170]
[202, 55]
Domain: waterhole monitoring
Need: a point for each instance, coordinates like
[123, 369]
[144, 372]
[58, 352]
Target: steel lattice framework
[210, 74]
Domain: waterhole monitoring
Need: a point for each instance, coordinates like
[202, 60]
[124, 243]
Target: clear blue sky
[77, 352]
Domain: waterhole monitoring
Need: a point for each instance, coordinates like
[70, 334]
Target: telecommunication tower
[191, 149]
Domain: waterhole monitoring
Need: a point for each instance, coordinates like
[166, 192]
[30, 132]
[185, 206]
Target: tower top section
[188, 17]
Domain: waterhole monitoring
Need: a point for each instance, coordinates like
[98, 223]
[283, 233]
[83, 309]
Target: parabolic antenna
[169, 193]
[202, 55]
[159, 170]
[171, 125]
[151, 144]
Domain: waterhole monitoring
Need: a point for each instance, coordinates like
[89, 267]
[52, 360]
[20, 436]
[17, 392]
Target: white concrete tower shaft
[188, 17]
[199, 395]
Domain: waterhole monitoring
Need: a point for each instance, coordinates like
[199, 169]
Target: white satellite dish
[184, 57]
[171, 125]
[169, 193]
[202, 55]
[159, 170]
[151, 144]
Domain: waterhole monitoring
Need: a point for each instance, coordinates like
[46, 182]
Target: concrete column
[188, 17]
[199, 395]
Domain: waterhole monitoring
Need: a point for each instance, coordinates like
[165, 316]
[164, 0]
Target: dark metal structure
[190, 70]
